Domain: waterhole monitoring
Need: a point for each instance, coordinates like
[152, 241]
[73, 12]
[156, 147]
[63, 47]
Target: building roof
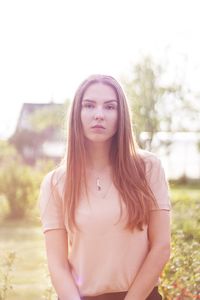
[28, 109]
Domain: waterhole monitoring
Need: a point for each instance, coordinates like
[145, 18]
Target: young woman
[105, 211]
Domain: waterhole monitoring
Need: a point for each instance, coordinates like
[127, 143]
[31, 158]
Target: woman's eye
[88, 105]
[110, 107]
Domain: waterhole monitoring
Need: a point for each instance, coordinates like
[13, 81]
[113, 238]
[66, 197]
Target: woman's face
[99, 112]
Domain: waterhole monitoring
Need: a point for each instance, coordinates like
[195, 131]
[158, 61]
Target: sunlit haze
[48, 47]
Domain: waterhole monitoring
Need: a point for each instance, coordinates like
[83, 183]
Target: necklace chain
[100, 187]
[98, 183]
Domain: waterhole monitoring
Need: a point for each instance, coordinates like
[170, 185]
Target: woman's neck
[97, 156]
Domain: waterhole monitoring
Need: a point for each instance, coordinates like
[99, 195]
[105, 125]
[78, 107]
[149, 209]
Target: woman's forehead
[101, 91]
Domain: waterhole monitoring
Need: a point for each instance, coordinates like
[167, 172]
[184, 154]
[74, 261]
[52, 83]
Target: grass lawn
[185, 210]
[29, 276]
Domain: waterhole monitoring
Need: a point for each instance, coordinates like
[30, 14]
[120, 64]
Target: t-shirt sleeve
[50, 205]
[158, 183]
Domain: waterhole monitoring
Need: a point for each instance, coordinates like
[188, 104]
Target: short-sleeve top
[103, 256]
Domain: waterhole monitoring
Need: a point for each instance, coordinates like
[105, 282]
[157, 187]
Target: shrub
[5, 275]
[19, 183]
[181, 277]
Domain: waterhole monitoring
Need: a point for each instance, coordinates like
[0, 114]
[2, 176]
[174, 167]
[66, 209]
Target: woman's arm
[57, 253]
[157, 257]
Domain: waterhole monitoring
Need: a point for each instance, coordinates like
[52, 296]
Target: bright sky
[49, 46]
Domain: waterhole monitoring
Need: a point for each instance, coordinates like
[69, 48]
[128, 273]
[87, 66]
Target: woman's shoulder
[151, 160]
[147, 155]
[55, 176]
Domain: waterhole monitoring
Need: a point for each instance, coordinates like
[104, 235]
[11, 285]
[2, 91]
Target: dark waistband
[154, 295]
[107, 296]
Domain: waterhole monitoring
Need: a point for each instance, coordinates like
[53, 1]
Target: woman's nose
[99, 115]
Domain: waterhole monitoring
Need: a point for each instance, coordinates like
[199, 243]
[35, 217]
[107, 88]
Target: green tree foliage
[154, 103]
[7, 153]
[19, 183]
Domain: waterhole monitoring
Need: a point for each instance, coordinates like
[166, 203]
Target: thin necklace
[98, 184]
[99, 188]
[103, 196]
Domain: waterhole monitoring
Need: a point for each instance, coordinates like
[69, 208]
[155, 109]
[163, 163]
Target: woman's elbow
[165, 252]
[162, 251]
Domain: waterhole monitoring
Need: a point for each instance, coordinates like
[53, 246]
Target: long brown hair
[128, 166]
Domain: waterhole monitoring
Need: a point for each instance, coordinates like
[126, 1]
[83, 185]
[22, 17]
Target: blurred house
[39, 132]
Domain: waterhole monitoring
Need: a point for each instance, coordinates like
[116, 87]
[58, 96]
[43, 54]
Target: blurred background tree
[19, 183]
[156, 106]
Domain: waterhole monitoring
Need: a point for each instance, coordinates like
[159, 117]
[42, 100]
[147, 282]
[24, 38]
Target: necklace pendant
[98, 184]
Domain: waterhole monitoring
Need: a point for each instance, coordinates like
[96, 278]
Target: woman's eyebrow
[114, 100]
[88, 100]
[107, 101]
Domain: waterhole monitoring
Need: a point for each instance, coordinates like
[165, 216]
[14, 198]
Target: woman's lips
[98, 127]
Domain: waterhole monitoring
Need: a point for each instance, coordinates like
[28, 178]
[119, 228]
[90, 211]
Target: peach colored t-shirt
[104, 257]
